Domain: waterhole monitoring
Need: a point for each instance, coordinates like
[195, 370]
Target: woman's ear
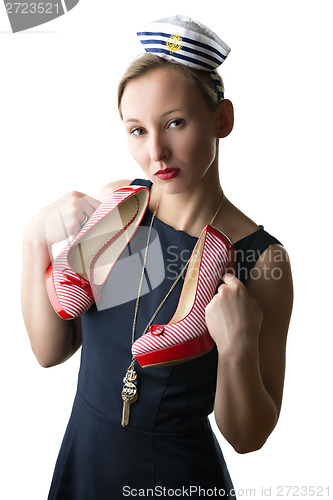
[225, 118]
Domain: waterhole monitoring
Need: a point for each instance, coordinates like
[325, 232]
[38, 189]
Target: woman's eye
[137, 131]
[176, 123]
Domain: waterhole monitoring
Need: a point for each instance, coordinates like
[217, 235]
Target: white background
[59, 130]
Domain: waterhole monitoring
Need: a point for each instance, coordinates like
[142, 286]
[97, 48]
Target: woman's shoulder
[234, 223]
[253, 244]
[240, 228]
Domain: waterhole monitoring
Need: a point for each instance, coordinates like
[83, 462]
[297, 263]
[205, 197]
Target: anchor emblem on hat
[174, 43]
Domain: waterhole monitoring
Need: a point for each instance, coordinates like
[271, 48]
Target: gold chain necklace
[129, 392]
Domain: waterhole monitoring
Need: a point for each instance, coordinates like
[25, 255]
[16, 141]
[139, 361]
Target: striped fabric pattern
[71, 299]
[215, 260]
[183, 40]
[218, 84]
[70, 294]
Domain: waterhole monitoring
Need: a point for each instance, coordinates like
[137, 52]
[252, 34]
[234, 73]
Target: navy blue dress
[168, 442]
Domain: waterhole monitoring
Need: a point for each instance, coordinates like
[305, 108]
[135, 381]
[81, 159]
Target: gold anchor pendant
[129, 394]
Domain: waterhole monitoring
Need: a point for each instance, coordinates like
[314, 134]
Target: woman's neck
[190, 210]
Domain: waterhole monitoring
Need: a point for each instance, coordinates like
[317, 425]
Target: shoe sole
[178, 353]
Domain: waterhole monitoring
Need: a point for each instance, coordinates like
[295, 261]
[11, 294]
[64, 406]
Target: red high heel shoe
[74, 279]
[186, 336]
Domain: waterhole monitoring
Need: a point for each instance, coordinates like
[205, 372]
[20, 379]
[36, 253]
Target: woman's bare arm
[249, 325]
[53, 340]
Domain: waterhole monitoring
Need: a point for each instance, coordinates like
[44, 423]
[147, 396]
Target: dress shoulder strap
[142, 182]
[249, 249]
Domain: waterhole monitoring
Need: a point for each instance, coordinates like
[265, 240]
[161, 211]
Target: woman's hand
[61, 219]
[233, 317]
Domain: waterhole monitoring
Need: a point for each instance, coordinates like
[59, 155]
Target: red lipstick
[167, 173]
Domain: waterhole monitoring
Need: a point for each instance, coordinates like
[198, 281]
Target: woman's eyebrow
[134, 120]
[169, 112]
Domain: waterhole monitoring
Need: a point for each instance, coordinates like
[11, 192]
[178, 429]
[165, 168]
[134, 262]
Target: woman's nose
[159, 150]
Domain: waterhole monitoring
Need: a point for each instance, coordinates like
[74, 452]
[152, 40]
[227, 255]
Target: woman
[174, 117]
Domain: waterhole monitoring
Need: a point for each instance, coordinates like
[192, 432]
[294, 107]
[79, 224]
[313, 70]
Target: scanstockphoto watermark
[26, 15]
[181, 492]
[277, 491]
[249, 263]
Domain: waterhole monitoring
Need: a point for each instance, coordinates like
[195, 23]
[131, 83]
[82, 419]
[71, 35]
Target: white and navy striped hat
[183, 40]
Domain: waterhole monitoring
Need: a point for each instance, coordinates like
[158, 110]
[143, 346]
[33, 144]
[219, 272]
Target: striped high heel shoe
[186, 336]
[75, 277]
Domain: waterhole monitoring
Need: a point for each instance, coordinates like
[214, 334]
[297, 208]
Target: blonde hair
[201, 80]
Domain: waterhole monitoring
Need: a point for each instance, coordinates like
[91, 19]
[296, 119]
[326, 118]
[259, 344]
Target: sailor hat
[188, 42]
